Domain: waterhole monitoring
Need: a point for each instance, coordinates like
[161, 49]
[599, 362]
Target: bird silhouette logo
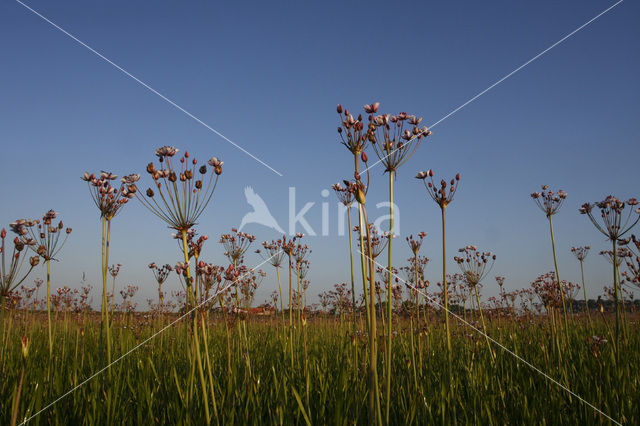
[260, 214]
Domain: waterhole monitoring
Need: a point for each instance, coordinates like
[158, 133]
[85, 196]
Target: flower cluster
[475, 265]
[417, 243]
[621, 254]
[184, 188]
[44, 236]
[9, 274]
[580, 252]
[161, 273]
[106, 197]
[394, 138]
[352, 133]
[344, 195]
[548, 201]
[236, 244]
[441, 196]
[547, 289]
[373, 241]
[273, 252]
[612, 211]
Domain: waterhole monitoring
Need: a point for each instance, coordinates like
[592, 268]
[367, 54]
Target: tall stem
[49, 306]
[444, 288]
[615, 287]
[280, 288]
[484, 326]
[374, 396]
[555, 263]
[191, 303]
[584, 290]
[363, 266]
[353, 289]
[389, 299]
[353, 300]
[290, 311]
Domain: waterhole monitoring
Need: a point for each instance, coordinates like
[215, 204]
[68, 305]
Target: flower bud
[339, 109]
[364, 157]
[218, 170]
[360, 195]
[3, 233]
[25, 347]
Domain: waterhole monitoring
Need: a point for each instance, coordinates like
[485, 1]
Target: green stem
[586, 301]
[389, 300]
[445, 290]
[191, 304]
[615, 288]
[280, 289]
[49, 307]
[555, 263]
[484, 326]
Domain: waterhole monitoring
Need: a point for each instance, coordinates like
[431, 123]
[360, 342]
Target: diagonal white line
[511, 73]
[495, 342]
[146, 86]
[102, 370]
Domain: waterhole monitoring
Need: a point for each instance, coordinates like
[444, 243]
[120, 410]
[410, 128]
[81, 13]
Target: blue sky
[269, 75]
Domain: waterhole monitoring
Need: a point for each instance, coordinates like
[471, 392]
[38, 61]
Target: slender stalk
[367, 303]
[290, 311]
[191, 303]
[374, 395]
[615, 288]
[353, 302]
[555, 263]
[584, 289]
[49, 306]
[484, 327]
[280, 289]
[444, 289]
[389, 299]
[16, 402]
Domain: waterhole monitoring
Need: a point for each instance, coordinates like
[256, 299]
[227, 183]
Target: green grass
[152, 385]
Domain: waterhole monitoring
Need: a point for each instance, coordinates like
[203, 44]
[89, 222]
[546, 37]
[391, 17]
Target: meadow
[388, 347]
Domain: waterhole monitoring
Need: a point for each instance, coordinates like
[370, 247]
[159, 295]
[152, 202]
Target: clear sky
[269, 75]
